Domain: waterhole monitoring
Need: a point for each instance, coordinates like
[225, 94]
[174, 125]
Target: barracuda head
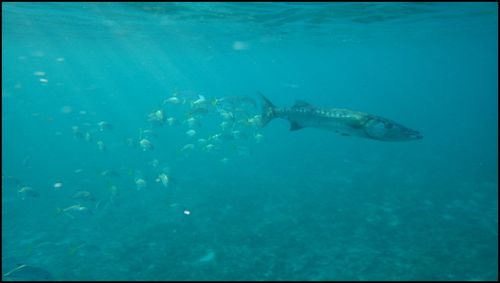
[385, 130]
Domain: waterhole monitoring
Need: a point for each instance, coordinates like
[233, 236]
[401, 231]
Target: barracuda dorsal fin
[294, 126]
[301, 104]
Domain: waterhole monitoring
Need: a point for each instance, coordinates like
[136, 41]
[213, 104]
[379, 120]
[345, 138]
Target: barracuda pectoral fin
[294, 126]
[343, 134]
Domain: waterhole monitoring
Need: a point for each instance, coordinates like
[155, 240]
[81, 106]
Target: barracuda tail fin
[268, 110]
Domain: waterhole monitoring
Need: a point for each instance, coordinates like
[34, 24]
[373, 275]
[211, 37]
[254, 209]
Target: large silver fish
[343, 121]
[24, 272]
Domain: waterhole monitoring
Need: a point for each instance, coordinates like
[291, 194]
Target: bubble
[66, 109]
[240, 45]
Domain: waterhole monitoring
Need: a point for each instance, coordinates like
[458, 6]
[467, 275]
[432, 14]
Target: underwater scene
[249, 141]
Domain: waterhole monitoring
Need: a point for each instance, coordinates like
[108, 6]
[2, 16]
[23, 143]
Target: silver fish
[24, 272]
[343, 121]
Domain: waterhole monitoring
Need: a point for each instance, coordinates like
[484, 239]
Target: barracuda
[343, 121]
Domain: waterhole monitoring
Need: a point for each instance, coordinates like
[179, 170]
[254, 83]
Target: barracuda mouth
[385, 130]
[415, 136]
[401, 133]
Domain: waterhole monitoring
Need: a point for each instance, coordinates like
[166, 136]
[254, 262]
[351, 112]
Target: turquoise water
[115, 168]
